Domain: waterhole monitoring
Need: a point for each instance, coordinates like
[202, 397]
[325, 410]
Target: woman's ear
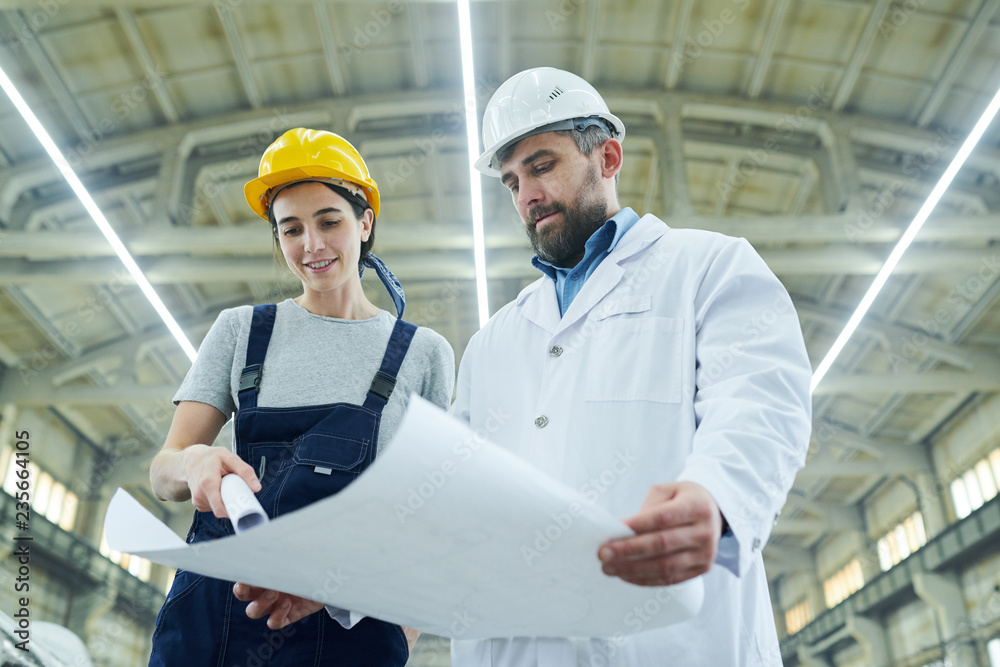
[367, 220]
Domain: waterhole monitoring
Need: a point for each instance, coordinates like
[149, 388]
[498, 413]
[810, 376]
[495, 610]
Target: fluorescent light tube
[906, 240]
[475, 184]
[95, 213]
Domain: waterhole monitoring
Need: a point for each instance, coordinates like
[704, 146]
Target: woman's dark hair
[359, 205]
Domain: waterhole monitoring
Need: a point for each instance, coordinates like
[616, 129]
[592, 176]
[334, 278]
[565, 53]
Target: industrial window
[901, 541]
[976, 485]
[848, 579]
[797, 617]
[49, 498]
[137, 567]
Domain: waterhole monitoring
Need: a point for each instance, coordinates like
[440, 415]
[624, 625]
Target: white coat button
[541, 421]
[555, 350]
[756, 543]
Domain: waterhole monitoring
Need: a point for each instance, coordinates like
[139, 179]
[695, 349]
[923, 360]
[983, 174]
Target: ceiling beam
[53, 79]
[840, 515]
[419, 235]
[907, 342]
[939, 382]
[421, 70]
[590, 40]
[504, 42]
[810, 526]
[236, 48]
[183, 138]
[134, 36]
[766, 49]
[125, 391]
[853, 70]
[676, 56]
[445, 264]
[973, 34]
[330, 53]
[145, 4]
[824, 465]
[127, 349]
[57, 338]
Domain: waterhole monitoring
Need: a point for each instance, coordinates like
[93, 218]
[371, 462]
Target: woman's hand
[281, 608]
[188, 469]
[203, 469]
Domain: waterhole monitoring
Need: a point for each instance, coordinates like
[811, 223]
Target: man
[672, 358]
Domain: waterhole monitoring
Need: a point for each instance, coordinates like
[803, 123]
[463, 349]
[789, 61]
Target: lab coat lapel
[537, 302]
[609, 274]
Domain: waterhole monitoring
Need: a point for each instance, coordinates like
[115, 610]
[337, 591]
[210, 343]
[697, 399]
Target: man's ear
[610, 158]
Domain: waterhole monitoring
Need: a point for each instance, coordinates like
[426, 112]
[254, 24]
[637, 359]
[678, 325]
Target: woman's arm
[188, 468]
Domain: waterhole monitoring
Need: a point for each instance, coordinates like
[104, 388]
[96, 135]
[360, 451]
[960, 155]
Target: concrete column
[944, 596]
[871, 636]
[86, 606]
[808, 659]
[931, 504]
[9, 416]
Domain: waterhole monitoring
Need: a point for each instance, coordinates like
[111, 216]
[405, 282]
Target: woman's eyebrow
[324, 211]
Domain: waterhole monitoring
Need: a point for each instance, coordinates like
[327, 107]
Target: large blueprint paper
[445, 533]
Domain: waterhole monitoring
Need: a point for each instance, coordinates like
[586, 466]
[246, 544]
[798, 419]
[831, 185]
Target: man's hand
[678, 530]
[281, 608]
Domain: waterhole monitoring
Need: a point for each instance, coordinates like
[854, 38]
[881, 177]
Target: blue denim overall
[301, 455]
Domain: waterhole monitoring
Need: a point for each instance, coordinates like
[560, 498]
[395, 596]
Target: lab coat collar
[537, 302]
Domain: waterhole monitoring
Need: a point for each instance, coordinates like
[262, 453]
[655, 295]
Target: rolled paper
[241, 504]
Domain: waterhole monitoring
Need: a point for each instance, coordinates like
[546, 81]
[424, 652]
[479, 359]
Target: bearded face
[558, 231]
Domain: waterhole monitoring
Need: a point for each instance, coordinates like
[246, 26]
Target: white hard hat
[530, 101]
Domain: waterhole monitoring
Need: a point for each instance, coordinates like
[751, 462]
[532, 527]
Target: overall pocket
[322, 464]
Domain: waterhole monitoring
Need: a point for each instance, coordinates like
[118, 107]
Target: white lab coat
[680, 359]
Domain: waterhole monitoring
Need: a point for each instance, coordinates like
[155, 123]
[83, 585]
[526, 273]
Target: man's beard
[562, 244]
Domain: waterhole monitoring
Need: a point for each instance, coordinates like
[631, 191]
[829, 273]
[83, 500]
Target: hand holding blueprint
[445, 533]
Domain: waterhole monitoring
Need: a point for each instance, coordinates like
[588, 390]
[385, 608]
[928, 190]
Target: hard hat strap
[388, 279]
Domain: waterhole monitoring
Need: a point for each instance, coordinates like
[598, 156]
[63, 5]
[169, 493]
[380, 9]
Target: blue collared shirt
[569, 282]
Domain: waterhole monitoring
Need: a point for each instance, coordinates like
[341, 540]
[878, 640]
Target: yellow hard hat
[303, 155]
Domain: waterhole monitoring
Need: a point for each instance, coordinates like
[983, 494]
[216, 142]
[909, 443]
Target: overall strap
[261, 325]
[385, 379]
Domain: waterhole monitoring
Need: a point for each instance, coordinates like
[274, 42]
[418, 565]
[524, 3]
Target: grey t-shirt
[313, 360]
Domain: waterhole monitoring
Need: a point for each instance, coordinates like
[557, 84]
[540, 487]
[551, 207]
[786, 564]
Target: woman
[319, 385]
